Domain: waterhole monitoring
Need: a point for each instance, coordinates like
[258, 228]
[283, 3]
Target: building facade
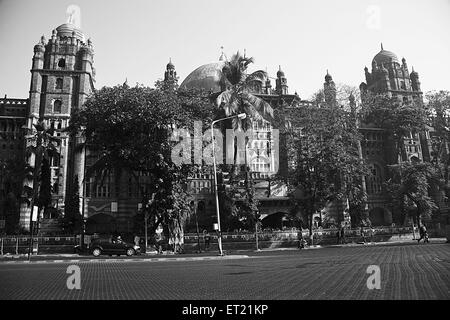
[63, 76]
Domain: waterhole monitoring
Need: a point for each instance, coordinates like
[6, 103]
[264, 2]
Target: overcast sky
[134, 39]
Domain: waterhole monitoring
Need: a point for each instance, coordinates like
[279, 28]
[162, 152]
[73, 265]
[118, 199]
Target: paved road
[407, 272]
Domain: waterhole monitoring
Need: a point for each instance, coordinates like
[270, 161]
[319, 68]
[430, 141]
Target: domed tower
[281, 86]
[170, 75]
[329, 90]
[390, 75]
[62, 76]
[415, 83]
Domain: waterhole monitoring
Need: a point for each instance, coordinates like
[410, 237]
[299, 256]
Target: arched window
[57, 106]
[374, 180]
[59, 83]
[62, 63]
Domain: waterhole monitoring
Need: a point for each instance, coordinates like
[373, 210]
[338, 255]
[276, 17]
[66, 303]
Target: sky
[134, 39]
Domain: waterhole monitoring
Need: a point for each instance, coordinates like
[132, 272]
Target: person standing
[159, 237]
[206, 239]
[300, 238]
[136, 240]
[343, 234]
[363, 235]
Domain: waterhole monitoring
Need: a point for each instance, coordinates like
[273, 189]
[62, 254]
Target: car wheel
[130, 252]
[96, 252]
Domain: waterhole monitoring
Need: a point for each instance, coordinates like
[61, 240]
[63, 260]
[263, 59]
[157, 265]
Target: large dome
[385, 56]
[66, 30]
[207, 77]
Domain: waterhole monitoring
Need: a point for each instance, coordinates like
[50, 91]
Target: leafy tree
[399, 119]
[13, 173]
[409, 186]
[439, 108]
[129, 129]
[324, 161]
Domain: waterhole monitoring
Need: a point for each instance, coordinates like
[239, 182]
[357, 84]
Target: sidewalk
[152, 256]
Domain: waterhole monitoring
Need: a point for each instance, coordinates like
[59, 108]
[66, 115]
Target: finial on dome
[222, 55]
[382, 46]
[412, 68]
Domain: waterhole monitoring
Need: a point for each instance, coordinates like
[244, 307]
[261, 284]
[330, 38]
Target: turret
[281, 82]
[170, 75]
[268, 86]
[415, 83]
[329, 90]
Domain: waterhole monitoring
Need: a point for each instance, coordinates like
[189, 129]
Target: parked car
[111, 246]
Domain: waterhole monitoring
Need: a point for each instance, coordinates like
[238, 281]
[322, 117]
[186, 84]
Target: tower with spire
[329, 90]
[391, 76]
[281, 86]
[62, 77]
[170, 75]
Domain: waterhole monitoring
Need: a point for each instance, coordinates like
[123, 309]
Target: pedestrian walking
[342, 234]
[300, 239]
[206, 239]
[136, 240]
[363, 235]
[338, 234]
[423, 234]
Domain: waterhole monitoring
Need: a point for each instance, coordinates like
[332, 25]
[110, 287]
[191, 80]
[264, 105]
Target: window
[374, 180]
[402, 85]
[57, 106]
[59, 83]
[62, 63]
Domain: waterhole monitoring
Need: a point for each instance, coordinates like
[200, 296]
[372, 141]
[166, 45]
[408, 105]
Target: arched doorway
[278, 220]
[376, 216]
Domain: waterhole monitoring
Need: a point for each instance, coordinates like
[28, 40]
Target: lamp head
[242, 115]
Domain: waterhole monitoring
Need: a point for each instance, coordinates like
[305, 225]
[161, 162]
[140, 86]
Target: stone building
[392, 77]
[63, 76]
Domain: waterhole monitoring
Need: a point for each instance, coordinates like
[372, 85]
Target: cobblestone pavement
[407, 272]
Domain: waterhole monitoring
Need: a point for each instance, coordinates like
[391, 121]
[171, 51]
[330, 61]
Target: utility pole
[37, 169]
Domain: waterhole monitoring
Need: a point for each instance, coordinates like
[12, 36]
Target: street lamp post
[216, 192]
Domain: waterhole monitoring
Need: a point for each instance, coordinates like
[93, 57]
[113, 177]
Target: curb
[230, 257]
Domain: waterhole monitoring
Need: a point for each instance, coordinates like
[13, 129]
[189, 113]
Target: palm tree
[44, 149]
[237, 98]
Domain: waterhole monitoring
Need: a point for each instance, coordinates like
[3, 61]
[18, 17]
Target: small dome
[67, 29]
[385, 56]
[170, 65]
[207, 77]
[414, 74]
[328, 77]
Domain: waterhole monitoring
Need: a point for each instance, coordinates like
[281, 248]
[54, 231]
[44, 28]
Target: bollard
[17, 246]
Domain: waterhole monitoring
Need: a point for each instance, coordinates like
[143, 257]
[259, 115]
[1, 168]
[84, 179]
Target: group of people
[160, 240]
